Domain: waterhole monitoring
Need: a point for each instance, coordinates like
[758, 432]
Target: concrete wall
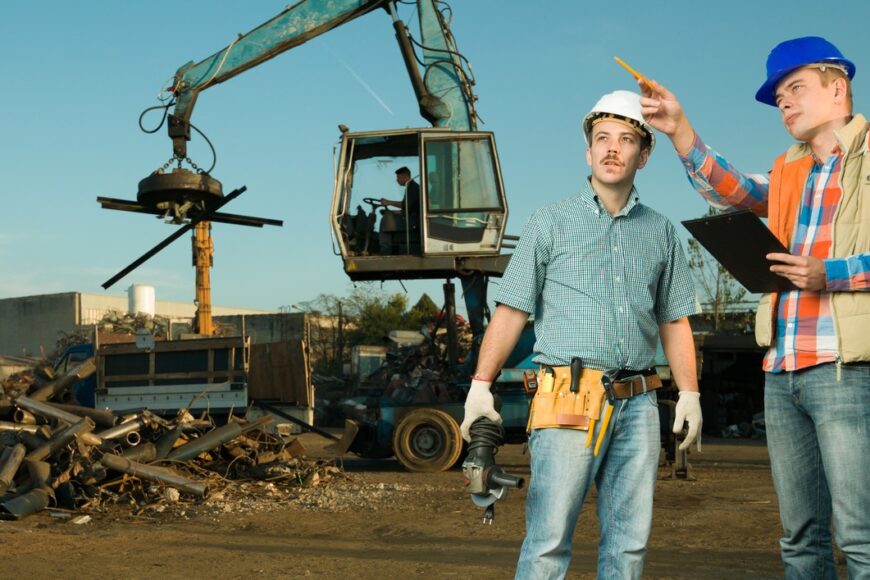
[28, 322]
[33, 321]
[95, 306]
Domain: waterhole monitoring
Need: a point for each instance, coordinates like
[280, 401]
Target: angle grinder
[486, 481]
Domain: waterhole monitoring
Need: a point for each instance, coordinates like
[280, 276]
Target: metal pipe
[133, 438]
[26, 504]
[28, 428]
[102, 417]
[23, 417]
[167, 441]
[124, 428]
[145, 453]
[11, 463]
[62, 439]
[146, 472]
[215, 438]
[54, 388]
[32, 441]
[46, 410]
[39, 471]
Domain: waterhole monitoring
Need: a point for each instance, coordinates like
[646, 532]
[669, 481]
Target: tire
[427, 441]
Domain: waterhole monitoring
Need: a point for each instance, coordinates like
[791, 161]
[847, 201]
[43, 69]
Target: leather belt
[631, 386]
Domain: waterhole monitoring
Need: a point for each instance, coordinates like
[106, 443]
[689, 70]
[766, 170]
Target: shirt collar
[590, 198]
[835, 152]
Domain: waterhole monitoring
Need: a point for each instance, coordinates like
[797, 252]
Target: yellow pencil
[634, 73]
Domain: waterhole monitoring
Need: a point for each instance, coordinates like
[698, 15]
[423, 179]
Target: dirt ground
[382, 522]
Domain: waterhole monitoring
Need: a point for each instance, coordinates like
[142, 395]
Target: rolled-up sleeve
[850, 274]
[675, 297]
[721, 184]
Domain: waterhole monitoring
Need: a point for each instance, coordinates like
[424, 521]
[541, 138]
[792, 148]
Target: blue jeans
[818, 436]
[624, 471]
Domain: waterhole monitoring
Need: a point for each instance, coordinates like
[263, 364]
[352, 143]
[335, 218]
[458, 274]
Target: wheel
[427, 441]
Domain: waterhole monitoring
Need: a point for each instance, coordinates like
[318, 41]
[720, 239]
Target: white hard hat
[620, 106]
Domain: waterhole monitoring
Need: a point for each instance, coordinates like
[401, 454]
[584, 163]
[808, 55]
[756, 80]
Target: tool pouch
[555, 406]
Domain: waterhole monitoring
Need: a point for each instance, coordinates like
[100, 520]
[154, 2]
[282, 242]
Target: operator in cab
[605, 277]
[406, 231]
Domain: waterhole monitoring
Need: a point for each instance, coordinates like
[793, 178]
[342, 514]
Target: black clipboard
[740, 241]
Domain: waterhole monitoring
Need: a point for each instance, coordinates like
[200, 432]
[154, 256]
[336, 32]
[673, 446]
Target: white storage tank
[140, 299]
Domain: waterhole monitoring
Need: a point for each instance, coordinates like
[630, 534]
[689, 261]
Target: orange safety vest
[850, 231]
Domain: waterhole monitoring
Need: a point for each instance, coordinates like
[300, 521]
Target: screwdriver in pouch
[576, 371]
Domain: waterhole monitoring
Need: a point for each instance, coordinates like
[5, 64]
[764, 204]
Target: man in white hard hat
[605, 277]
[817, 380]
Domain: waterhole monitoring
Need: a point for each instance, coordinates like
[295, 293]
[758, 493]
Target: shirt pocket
[644, 272]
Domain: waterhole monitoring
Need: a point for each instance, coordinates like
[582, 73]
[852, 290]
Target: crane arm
[308, 19]
[296, 25]
[446, 79]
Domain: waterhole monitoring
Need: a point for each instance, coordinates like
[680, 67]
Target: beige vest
[851, 232]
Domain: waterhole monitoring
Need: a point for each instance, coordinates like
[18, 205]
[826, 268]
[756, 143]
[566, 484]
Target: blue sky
[76, 75]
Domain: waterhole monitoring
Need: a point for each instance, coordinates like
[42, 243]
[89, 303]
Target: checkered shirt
[599, 285]
[805, 333]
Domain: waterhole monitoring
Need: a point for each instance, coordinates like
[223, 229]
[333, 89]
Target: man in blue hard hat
[817, 386]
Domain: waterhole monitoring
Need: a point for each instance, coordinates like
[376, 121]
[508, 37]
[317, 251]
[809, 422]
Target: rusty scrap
[63, 456]
[157, 474]
[102, 417]
[215, 438]
[55, 388]
[10, 461]
[28, 427]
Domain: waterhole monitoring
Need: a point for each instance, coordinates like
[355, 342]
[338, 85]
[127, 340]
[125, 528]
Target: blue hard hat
[791, 55]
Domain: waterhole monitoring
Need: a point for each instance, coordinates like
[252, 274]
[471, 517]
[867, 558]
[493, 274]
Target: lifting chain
[179, 160]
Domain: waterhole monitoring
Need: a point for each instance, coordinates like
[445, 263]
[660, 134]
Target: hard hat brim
[766, 94]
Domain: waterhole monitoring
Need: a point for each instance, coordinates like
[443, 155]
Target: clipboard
[739, 241]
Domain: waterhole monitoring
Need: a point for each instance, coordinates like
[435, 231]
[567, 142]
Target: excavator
[451, 223]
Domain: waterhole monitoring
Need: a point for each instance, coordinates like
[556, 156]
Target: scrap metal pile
[116, 326]
[68, 458]
[420, 373]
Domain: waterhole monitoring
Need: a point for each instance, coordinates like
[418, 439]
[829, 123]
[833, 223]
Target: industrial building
[30, 324]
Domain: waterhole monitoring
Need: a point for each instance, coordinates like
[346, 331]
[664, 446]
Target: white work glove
[689, 410]
[478, 403]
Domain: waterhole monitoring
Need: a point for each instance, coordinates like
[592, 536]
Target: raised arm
[663, 111]
[721, 184]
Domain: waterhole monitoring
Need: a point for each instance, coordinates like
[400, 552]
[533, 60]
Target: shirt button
[615, 248]
[620, 308]
[617, 278]
[621, 340]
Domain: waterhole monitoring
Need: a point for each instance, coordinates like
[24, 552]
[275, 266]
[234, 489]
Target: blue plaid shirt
[598, 285]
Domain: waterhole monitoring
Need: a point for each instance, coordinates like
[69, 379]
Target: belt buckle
[631, 392]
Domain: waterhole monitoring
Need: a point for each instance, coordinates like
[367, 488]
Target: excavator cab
[448, 217]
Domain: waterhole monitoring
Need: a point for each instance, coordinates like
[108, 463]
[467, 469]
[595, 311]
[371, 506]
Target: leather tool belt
[555, 406]
[631, 383]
